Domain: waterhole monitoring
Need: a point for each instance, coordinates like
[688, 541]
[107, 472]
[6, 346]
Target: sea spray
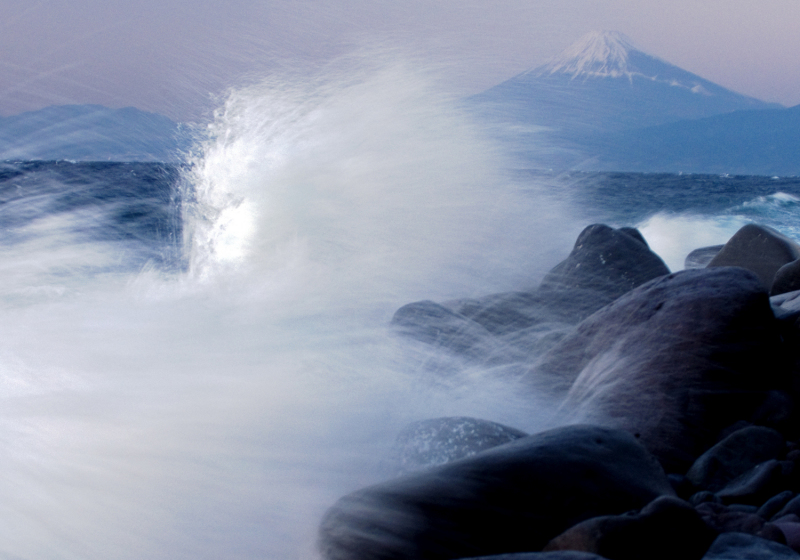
[218, 412]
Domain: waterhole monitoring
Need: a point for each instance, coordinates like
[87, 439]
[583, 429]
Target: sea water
[196, 360]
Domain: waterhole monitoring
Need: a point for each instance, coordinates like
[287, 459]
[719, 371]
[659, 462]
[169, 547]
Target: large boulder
[607, 261]
[513, 498]
[437, 441]
[673, 362]
[760, 249]
[787, 279]
[734, 456]
[519, 326]
[666, 529]
[699, 258]
[741, 546]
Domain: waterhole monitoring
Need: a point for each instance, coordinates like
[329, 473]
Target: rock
[740, 546]
[775, 504]
[699, 258]
[512, 498]
[667, 528]
[757, 485]
[557, 555]
[607, 261]
[673, 362]
[441, 440]
[435, 324]
[760, 249]
[787, 279]
[786, 305]
[704, 496]
[791, 532]
[791, 507]
[520, 326]
[734, 456]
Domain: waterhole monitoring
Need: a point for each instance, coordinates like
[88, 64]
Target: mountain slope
[602, 84]
[90, 133]
[763, 142]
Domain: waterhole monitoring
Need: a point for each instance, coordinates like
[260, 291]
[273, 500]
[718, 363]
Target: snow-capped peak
[599, 53]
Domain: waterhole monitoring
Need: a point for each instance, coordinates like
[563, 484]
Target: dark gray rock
[673, 362]
[441, 440]
[786, 305]
[666, 529]
[434, 324]
[775, 504]
[735, 455]
[607, 261]
[557, 555]
[787, 279]
[758, 484]
[791, 507]
[760, 249]
[699, 258]
[741, 546]
[521, 326]
[512, 498]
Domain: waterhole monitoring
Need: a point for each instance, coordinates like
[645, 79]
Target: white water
[218, 413]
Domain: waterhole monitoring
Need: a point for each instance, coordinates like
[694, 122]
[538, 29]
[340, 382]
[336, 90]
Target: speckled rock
[512, 498]
[441, 440]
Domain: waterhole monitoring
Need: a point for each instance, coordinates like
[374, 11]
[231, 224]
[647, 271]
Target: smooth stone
[775, 504]
[699, 258]
[557, 555]
[742, 546]
[760, 249]
[791, 532]
[704, 496]
[787, 279]
[608, 261]
[665, 529]
[512, 498]
[791, 507]
[441, 440]
[434, 324]
[673, 362]
[757, 485]
[786, 306]
[734, 456]
[725, 521]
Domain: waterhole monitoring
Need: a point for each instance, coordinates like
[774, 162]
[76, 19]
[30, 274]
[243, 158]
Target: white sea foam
[217, 413]
[674, 236]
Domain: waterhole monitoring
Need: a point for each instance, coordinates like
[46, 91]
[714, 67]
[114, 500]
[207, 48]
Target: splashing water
[217, 412]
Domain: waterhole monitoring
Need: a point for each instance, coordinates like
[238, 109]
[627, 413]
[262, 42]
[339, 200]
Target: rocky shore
[679, 401]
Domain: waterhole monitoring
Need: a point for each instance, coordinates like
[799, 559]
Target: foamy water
[217, 412]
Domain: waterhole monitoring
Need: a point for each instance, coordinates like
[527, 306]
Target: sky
[176, 57]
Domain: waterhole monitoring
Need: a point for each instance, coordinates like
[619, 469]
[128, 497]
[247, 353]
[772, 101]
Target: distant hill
[581, 108]
[91, 133]
[739, 143]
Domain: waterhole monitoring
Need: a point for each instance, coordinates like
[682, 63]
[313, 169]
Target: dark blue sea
[195, 359]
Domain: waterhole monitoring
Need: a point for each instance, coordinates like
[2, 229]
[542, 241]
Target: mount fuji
[597, 91]
[602, 83]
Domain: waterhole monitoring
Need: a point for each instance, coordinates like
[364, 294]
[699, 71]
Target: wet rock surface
[674, 361]
[513, 498]
[441, 440]
[686, 387]
[759, 249]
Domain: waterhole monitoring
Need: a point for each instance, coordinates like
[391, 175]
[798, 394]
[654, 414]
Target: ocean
[196, 360]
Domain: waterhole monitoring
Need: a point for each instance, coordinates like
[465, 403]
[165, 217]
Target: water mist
[216, 412]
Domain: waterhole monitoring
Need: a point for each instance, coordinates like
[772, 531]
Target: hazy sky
[171, 56]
